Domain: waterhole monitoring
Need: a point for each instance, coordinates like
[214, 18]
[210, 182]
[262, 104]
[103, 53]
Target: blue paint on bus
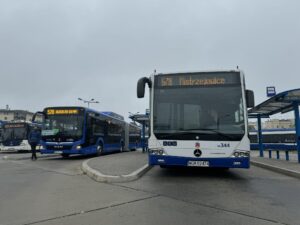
[81, 131]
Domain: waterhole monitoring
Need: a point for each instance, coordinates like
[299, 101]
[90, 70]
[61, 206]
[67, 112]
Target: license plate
[58, 152]
[198, 163]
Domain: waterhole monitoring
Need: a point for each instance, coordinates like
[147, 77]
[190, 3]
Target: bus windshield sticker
[50, 132]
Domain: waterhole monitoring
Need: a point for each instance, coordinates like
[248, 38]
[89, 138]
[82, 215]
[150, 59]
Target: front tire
[122, 147]
[65, 155]
[99, 150]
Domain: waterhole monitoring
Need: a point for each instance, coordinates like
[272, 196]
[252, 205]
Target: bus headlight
[236, 154]
[157, 151]
[241, 154]
[39, 147]
[78, 147]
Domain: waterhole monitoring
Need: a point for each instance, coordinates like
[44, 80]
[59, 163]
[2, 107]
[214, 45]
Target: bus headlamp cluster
[157, 151]
[39, 147]
[78, 147]
[240, 154]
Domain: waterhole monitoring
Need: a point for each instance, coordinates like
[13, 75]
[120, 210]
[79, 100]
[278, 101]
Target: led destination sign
[197, 79]
[14, 125]
[62, 111]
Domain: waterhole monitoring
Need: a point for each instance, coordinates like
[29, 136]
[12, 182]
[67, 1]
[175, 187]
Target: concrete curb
[99, 177]
[8, 157]
[277, 169]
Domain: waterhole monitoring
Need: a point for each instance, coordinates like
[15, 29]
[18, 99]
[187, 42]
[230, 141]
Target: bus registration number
[198, 163]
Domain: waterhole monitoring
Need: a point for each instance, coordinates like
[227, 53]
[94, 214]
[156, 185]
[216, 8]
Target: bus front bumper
[163, 160]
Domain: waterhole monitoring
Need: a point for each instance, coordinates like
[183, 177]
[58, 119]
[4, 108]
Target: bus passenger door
[90, 138]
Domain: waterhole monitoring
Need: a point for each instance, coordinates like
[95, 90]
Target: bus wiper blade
[230, 137]
[175, 133]
[199, 131]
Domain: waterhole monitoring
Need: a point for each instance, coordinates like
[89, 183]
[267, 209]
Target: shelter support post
[259, 136]
[144, 137]
[297, 127]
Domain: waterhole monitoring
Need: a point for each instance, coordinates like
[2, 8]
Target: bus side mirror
[35, 115]
[141, 86]
[250, 98]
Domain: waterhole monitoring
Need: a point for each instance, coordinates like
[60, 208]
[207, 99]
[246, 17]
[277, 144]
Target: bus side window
[89, 127]
[98, 127]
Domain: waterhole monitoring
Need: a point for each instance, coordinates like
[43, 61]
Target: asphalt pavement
[24, 156]
[131, 165]
[55, 191]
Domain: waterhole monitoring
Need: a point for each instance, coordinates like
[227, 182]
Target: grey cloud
[52, 52]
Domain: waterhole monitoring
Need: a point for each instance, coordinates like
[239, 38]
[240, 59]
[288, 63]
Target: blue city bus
[81, 131]
[134, 137]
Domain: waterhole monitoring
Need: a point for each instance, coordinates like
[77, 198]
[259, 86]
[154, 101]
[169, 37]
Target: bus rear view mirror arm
[34, 116]
[141, 86]
[250, 98]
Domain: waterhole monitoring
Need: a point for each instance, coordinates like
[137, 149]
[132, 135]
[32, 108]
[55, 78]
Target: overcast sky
[54, 51]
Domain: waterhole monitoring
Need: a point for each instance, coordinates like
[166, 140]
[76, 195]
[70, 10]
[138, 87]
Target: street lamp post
[88, 101]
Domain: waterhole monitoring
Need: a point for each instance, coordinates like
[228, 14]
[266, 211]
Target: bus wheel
[122, 147]
[224, 168]
[65, 155]
[99, 150]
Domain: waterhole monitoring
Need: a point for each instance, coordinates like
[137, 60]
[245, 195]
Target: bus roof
[204, 71]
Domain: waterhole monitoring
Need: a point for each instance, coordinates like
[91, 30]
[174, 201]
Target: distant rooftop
[15, 110]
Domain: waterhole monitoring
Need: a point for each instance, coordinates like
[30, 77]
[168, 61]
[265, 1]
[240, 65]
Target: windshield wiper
[201, 131]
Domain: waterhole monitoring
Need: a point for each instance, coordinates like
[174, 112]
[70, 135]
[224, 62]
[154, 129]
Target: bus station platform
[290, 168]
[118, 167]
[129, 166]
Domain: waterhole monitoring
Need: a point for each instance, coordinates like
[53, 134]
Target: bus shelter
[142, 119]
[283, 102]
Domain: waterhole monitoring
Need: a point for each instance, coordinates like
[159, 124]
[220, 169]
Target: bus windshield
[63, 128]
[14, 134]
[205, 113]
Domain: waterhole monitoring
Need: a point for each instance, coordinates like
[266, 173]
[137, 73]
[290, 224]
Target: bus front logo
[197, 153]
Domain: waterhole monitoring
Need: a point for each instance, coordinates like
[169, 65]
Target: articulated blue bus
[79, 130]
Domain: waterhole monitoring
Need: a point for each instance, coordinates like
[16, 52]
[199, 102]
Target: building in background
[279, 124]
[15, 115]
[252, 126]
[273, 124]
